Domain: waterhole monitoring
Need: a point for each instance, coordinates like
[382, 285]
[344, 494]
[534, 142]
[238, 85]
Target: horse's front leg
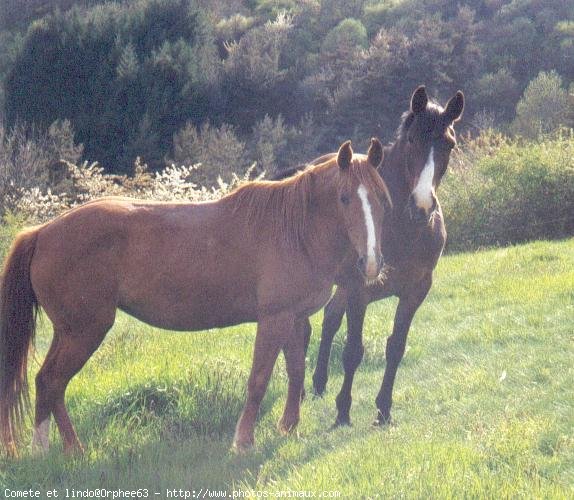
[357, 302]
[294, 351]
[333, 316]
[406, 309]
[272, 334]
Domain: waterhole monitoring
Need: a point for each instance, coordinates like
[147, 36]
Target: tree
[543, 107]
[216, 148]
[127, 77]
[348, 35]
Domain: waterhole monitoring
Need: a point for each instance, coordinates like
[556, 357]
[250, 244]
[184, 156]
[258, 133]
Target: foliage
[32, 159]
[276, 146]
[347, 35]
[543, 108]
[87, 182]
[501, 191]
[500, 88]
[126, 77]
[217, 149]
[131, 75]
[15, 13]
[254, 80]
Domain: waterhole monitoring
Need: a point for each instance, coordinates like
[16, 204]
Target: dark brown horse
[414, 236]
[268, 252]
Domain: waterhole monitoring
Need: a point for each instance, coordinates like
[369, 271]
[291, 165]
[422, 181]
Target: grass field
[484, 400]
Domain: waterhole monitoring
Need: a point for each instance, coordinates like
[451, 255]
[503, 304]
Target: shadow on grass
[174, 434]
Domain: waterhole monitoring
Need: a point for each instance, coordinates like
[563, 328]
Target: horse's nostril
[361, 263]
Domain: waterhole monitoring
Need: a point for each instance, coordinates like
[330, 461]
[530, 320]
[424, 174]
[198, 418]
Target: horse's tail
[18, 311]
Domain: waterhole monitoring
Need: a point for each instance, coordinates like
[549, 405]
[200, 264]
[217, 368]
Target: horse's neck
[393, 173]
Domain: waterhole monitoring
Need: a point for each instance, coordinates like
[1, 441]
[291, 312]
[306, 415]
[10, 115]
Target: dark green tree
[126, 77]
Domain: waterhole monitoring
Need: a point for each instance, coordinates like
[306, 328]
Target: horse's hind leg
[334, 312]
[66, 356]
[307, 331]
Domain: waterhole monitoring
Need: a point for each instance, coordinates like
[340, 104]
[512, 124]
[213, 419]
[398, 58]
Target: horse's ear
[419, 100]
[375, 154]
[345, 155]
[454, 108]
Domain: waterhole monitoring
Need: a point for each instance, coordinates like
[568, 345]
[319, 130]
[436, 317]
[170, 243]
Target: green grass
[483, 407]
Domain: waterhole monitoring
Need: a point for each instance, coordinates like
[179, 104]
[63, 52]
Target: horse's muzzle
[418, 215]
[370, 268]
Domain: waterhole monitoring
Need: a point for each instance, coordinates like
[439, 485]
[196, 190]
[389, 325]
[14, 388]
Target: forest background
[138, 86]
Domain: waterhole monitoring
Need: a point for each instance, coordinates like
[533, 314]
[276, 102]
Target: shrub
[543, 107]
[29, 158]
[255, 81]
[502, 191]
[276, 146]
[500, 88]
[216, 148]
[256, 57]
[88, 182]
[348, 35]
[233, 27]
[270, 141]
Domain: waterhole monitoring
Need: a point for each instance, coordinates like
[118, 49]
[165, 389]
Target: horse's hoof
[286, 426]
[242, 448]
[74, 450]
[382, 421]
[342, 422]
[318, 391]
[12, 451]
[38, 451]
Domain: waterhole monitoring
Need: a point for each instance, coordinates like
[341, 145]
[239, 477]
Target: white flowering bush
[89, 181]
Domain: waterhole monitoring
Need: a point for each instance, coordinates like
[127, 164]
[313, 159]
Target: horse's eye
[345, 199]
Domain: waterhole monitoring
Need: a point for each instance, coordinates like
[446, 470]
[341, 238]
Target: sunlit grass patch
[483, 401]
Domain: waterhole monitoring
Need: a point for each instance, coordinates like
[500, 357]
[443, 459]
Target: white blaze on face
[370, 224]
[41, 437]
[423, 191]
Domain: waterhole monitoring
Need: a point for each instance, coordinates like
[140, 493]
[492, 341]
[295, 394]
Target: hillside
[484, 400]
[275, 81]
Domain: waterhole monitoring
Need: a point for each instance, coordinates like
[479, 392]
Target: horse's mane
[277, 207]
[407, 118]
[282, 207]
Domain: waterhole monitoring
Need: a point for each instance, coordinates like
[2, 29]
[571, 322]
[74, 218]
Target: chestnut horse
[267, 252]
[414, 235]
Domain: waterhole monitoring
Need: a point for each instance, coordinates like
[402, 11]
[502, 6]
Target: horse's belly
[193, 309]
[192, 296]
